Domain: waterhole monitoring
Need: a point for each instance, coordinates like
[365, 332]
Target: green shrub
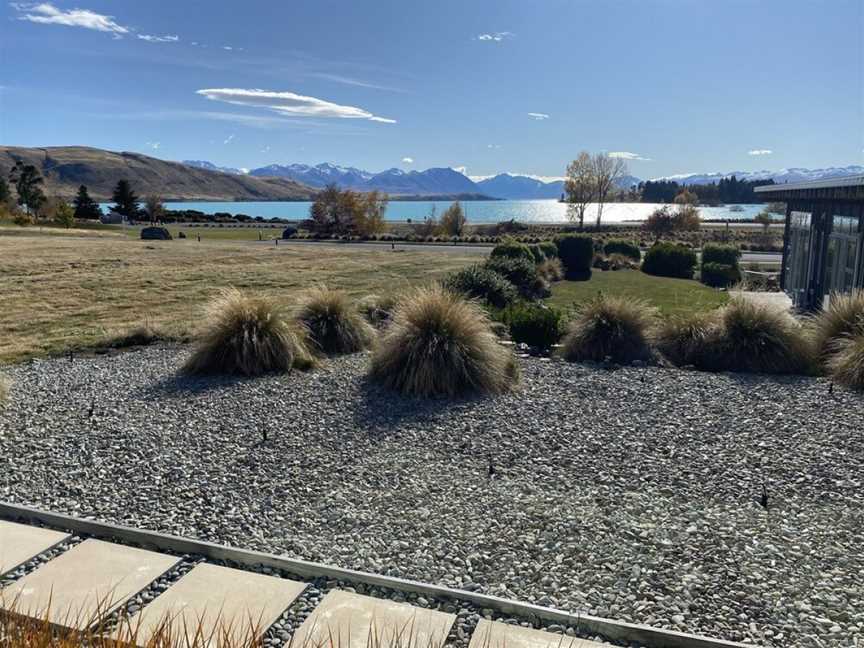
[846, 364]
[549, 249]
[537, 253]
[439, 344]
[669, 260]
[622, 247]
[721, 254]
[576, 252]
[536, 325]
[719, 275]
[522, 273]
[511, 249]
[333, 323]
[481, 282]
[246, 336]
[841, 318]
[611, 328]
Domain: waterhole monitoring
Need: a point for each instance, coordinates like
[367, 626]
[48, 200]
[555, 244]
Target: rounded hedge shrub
[576, 252]
[481, 282]
[511, 249]
[669, 260]
[520, 272]
[440, 345]
[549, 249]
[535, 325]
[333, 323]
[610, 328]
[625, 248]
[719, 275]
[721, 254]
[537, 253]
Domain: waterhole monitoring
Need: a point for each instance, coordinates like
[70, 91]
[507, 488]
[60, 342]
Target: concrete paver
[494, 634]
[21, 542]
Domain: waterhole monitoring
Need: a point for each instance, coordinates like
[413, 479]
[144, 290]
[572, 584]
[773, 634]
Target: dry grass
[378, 309]
[246, 336]
[61, 292]
[333, 323]
[551, 269]
[610, 328]
[846, 363]
[4, 388]
[440, 345]
[843, 317]
[687, 339]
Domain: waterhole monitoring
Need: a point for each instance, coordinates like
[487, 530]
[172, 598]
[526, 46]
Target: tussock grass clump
[689, 339]
[377, 309]
[480, 282]
[610, 328]
[843, 317]
[551, 269]
[846, 364]
[333, 323]
[440, 345]
[246, 336]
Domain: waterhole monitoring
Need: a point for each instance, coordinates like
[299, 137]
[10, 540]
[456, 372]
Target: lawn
[671, 296]
[61, 292]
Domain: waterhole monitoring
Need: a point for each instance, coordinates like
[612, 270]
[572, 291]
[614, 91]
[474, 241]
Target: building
[822, 245]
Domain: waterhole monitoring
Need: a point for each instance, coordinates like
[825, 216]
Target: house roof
[846, 188]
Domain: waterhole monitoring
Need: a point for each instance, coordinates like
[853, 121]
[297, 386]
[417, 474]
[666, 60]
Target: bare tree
[581, 187]
[155, 208]
[607, 172]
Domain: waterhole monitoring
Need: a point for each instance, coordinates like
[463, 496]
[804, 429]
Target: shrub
[511, 249]
[481, 282]
[439, 344]
[377, 310]
[846, 365]
[289, 232]
[622, 247]
[522, 273]
[549, 249]
[453, 220]
[669, 260]
[660, 222]
[841, 318]
[722, 254]
[535, 325]
[719, 275]
[551, 269]
[611, 328]
[333, 323]
[537, 253]
[686, 218]
[246, 336]
[689, 339]
[576, 252]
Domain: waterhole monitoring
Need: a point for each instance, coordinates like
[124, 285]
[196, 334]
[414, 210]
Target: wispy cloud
[289, 104]
[760, 152]
[538, 116]
[154, 145]
[159, 39]
[46, 13]
[494, 37]
[408, 160]
[493, 146]
[338, 78]
[627, 155]
[229, 139]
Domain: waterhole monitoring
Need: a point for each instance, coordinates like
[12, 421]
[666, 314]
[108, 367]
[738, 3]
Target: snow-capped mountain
[794, 174]
[316, 176]
[209, 166]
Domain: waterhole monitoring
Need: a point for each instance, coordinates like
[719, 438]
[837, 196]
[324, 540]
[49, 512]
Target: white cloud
[494, 37]
[408, 160]
[229, 139]
[47, 14]
[627, 155]
[493, 146]
[289, 104]
[159, 39]
[760, 152]
[154, 145]
[538, 116]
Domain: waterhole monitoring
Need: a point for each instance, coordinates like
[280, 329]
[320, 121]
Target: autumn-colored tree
[580, 186]
[453, 220]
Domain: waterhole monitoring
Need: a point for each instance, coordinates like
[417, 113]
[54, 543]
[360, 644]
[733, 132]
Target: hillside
[66, 167]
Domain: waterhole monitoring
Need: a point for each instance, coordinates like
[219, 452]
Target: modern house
[822, 247]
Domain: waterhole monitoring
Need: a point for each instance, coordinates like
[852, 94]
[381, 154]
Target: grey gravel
[632, 494]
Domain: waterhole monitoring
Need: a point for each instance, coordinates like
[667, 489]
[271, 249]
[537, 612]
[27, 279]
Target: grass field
[61, 292]
[671, 296]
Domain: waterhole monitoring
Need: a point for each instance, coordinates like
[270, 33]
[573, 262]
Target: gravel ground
[632, 494]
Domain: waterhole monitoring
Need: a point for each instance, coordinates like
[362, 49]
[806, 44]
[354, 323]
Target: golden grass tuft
[440, 345]
[551, 269]
[333, 323]
[378, 309]
[610, 328]
[844, 316]
[246, 336]
[846, 363]
[688, 339]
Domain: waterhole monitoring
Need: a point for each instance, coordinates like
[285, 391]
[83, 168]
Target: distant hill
[794, 174]
[66, 167]
[516, 187]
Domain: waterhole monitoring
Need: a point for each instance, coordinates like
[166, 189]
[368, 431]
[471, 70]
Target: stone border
[616, 630]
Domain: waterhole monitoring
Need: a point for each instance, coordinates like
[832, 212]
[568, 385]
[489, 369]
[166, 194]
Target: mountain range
[794, 174]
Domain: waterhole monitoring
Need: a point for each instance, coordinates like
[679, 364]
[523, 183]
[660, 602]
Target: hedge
[576, 252]
[669, 260]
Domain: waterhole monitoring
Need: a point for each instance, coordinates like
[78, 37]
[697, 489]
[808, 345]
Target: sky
[673, 86]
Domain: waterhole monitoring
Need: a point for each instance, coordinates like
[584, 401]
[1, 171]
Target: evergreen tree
[28, 185]
[5, 194]
[85, 207]
[125, 200]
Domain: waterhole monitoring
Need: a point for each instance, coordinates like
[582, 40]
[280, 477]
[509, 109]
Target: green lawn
[671, 296]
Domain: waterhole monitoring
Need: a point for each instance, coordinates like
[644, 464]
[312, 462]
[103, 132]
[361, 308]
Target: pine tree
[85, 207]
[126, 202]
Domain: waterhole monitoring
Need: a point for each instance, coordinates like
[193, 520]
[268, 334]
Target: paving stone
[222, 601]
[21, 542]
[86, 583]
[494, 634]
[356, 621]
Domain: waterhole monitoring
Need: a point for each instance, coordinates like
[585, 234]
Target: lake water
[481, 211]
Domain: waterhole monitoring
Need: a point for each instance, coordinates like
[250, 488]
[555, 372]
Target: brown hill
[66, 167]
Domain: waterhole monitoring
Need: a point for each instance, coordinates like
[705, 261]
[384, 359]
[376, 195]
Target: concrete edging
[617, 630]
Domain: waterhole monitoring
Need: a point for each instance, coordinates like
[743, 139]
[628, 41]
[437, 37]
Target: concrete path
[20, 543]
[494, 634]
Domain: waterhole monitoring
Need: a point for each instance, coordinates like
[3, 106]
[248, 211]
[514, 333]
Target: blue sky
[676, 85]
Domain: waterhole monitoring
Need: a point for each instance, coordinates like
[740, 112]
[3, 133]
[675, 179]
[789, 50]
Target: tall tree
[607, 172]
[125, 200]
[453, 220]
[154, 207]
[581, 187]
[85, 207]
[64, 214]
[28, 185]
